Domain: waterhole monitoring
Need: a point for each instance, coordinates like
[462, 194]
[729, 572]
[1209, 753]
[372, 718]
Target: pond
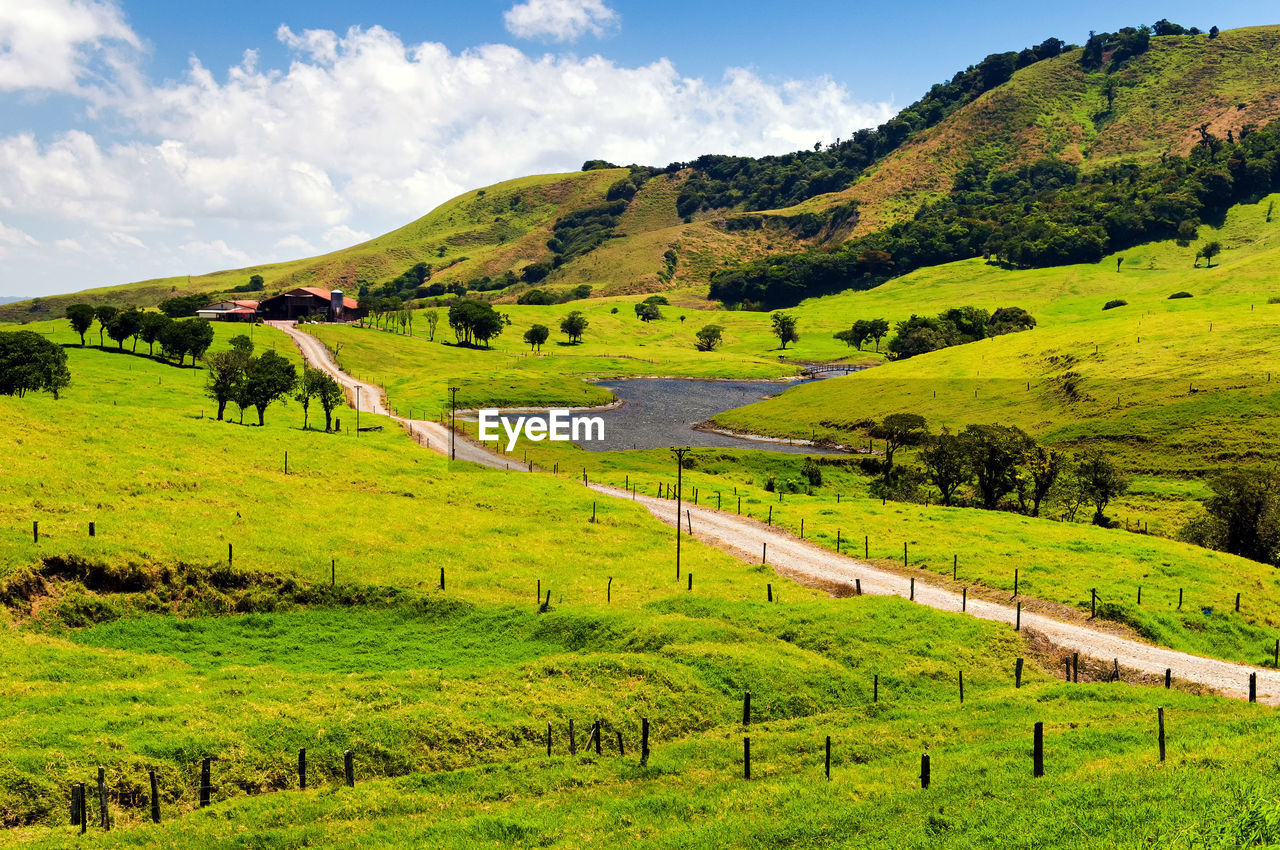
[660, 412]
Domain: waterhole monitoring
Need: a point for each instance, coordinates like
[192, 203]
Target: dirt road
[790, 556]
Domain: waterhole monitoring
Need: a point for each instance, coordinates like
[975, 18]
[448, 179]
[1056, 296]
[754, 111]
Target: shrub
[1116, 302]
[1179, 295]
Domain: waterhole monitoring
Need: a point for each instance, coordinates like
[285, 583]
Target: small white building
[230, 311]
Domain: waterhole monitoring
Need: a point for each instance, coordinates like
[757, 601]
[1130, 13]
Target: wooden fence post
[442, 578]
[105, 816]
[1017, 673]
[1037, 768]
[746, 757]
[913, 588]
[1075, 667]
[35, 531]
[155, 797]
[1067, 672]
[229, 552]
[1017, 623]
[644, 741]
[771, 515]
[75, 803]
[964, 599]
[828, 763]
[302, 769]
[573, 745]
[93, 529]
[960, 674]
[1168, 678]
[608, 590]
[1179, 599]
[875, 688]
[1015, 584]
[924, 771]
[691, 581]
[349, 768]
[857, 586]
[1160, 716]
[764, 554]
[205, 788]
[746, 709]
[904, 553]
[548, 738]
[768, 589]
[1237, 603]
[1093, 602]
[1253, 687]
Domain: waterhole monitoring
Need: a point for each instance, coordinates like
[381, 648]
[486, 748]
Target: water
[661, 412]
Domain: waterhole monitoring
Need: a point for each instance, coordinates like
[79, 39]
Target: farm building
[310, 301]
[230, 311]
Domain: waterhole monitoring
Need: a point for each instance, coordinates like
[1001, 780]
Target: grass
[1058, 562]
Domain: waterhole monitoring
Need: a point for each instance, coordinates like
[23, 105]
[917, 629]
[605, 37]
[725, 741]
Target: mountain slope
[1057, 108]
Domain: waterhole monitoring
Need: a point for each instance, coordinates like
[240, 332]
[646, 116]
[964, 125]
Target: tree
[1009, 320]
[1243, 515]
[995, 452]
[947, 464]
[199, 338]
[856, 335]
[708, 338]
[536, 336]
[329, 394]
[81, 318]
[182, 306]
[123, 325]
[242, 345]
[784, 328]
[31, 363]
[433, 319]
[1100, 482]
[308, 388]
[876, 329]
[898, 430]
[573, 325]
[474, 321]
[648, 311]
[226, 372]
[1044, 466]
[104, 314]
[173, 341]
[150, 328]
[1209, 251]
[268, 379]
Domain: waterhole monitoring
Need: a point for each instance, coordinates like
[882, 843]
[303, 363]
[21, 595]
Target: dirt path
[746, 538]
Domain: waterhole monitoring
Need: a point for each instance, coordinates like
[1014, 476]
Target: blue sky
[142, 139]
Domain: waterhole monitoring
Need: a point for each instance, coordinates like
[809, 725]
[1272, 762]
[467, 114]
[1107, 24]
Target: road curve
[747, 538]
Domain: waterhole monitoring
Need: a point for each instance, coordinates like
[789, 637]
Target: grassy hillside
[136, 650]
[1056, 108]
[1175, 387]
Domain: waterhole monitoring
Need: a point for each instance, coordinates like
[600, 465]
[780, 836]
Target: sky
[143, 139]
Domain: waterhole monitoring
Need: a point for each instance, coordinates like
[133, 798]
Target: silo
[335, 305]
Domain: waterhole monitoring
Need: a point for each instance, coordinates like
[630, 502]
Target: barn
[310, 301]
[230, 311]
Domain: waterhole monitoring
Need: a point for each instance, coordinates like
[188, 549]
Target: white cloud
[52, 45]
[559, 20]
[14, 237]
[342, 236]
[361, 133]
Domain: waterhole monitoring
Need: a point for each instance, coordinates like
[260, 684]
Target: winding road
[746, 538]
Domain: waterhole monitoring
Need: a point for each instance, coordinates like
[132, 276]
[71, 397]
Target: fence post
[548, 738]
[828, 763]
[229, 550]
[1017, 674]
[964, 599]
[1093, 602]
[349, 767]
[92, 529]
[155, 797]
[746, 709]
[302, 769]
[1253, 687]
[102, 798]
[875, 688]
[644, 741]
[960, 674]
[1160, 715]
[1237, 603]
[75, 803]
[1015, 583]
[768, 589]
[746, 757]
[573, 745]
[913, 588]
[1075, 667]
[1017, 623]
[924, 771]
[35, 531]
[1038, 753]
[1168, 678]
[857, 586]
[205, 780]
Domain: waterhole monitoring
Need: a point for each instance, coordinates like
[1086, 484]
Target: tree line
[237, 377]
[994, 467]
[774, 182]
[177, 337]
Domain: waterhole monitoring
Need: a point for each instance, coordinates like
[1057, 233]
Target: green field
[147, 654]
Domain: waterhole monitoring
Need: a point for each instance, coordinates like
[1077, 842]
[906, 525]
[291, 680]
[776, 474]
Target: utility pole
[679, 453]
[453, 420]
